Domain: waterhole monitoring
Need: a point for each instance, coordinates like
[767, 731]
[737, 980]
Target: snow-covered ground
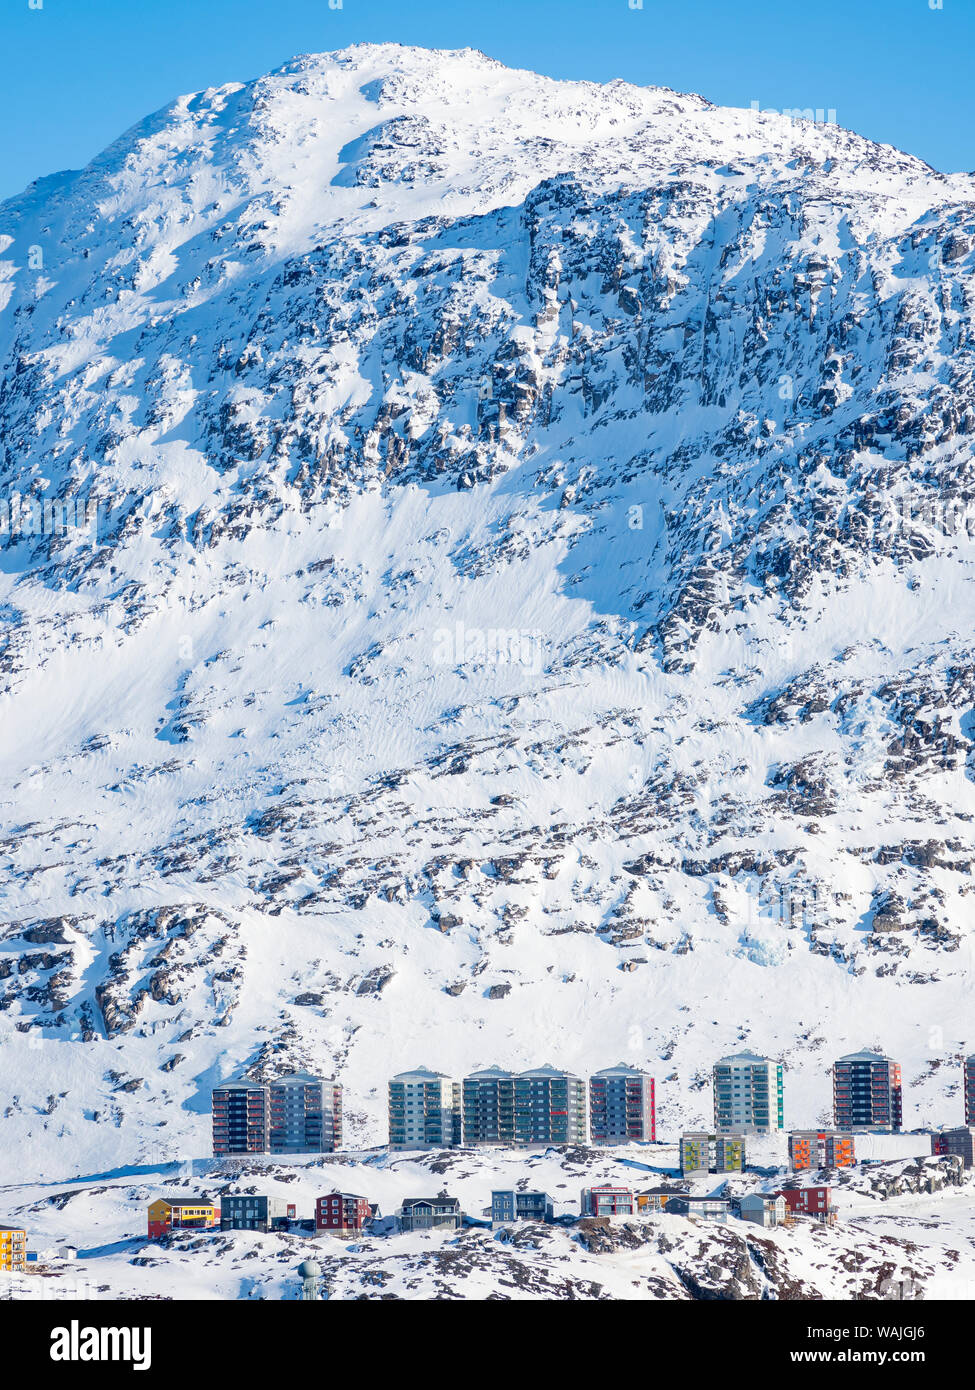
[528, 619]
[922, 1240]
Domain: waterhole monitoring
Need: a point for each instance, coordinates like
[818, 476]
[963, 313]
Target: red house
[607, 1201]
[815, 1202]
[342, 1213]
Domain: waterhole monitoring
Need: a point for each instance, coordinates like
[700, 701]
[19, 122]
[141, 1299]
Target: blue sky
[76, 73]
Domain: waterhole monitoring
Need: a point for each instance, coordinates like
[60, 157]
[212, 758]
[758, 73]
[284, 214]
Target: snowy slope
[529, 613]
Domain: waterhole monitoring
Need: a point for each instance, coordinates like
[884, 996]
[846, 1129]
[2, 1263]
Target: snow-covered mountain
[518, 608]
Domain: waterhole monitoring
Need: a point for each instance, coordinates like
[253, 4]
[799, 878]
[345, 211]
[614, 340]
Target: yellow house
[181, 1214]
[13, 1248]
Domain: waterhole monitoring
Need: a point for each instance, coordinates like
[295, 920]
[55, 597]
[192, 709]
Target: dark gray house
[430, 1213]
[702, 1208]
[252, 1211]
[509, 1205]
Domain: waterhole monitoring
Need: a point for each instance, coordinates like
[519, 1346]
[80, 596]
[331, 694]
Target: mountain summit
[487, 578]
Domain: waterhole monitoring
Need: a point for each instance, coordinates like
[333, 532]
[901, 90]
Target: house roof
[489, 1074]
[443, 1201]
[519, 1192]
[548, 1071]
[621, 1069]
[297, 1078]
[185, 1201]
[745, 1058]
[421, 1074]
[864, 1056]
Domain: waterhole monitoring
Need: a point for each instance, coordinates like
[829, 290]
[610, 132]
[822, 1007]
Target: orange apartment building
[821, 1148]
[13, 1249]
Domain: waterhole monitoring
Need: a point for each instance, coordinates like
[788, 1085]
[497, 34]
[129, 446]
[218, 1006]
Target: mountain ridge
[673, 400]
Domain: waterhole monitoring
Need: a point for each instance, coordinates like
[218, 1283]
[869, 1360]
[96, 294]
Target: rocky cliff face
[516, 602]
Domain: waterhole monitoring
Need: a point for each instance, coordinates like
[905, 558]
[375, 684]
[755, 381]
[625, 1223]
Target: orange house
[181, 1214]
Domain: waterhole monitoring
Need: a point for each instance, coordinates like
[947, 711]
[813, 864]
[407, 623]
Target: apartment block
[424, 1110]
[342, 1213]
[867, 1093]
[748, 1095]
[13, 1248]
[622, 1106]
[241, 1118]
[252, 1211]
[509, 1205]
[305, 1114]
[607, 1201]
[970, 1090]
[488, 1104]
[712, 1153]
[550, 1107]
[960, 1142]
[821, 1148]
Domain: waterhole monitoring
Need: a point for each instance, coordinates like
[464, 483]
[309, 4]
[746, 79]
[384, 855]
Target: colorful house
[656, 1198]
[763, 1208]
[814, 1202]
[510, 1205]
[13, 1248]
[181, 1214]
[607, 1201]
[252, 1211]
[711, 1209]
[343, 1213]
[430, 1213]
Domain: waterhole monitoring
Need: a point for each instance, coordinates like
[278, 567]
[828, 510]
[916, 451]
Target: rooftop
[621, 1069]
[745, 1058]
[421, 1074]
